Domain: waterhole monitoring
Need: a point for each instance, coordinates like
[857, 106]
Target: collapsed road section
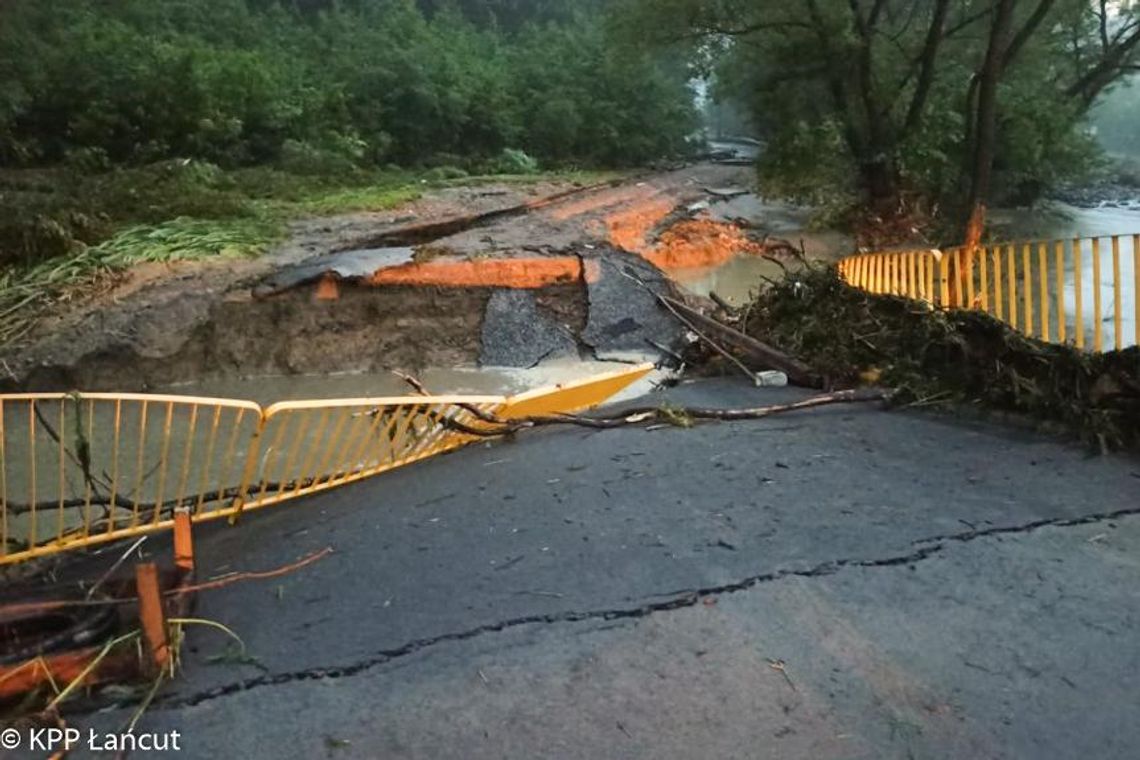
[573, 275]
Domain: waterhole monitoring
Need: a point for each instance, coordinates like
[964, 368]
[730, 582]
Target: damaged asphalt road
[839, 583]
[332, 299]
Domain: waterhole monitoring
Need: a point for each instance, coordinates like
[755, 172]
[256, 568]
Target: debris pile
[947, 357]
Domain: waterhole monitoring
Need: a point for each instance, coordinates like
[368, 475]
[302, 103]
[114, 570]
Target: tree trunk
[985, 121]
[879, 178]
[982, 129]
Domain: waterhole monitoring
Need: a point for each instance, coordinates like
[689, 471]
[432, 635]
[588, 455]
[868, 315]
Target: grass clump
[62, 229]
[25, 291]
[949, 357]
[371, 198]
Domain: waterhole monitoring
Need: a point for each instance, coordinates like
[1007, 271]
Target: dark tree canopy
[903, 92]
[242, 82]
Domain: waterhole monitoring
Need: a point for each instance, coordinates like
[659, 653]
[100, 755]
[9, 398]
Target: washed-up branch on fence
[81, 458]
[644, 414]
[168, 506]
[651, 414]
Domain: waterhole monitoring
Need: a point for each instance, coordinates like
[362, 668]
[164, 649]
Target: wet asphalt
[842, 583]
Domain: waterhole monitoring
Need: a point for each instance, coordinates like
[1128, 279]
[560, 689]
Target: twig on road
[782, 668]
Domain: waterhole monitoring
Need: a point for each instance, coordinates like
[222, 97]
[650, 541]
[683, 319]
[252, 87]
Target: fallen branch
[168, 506]
[254, 575]
[771, 358]
[417, 386]
[82, 460]
[666, 351]
[652, 414]
[666, 302]
[719, 301]
[25, 608]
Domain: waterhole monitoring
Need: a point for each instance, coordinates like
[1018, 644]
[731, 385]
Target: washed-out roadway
[841, 583]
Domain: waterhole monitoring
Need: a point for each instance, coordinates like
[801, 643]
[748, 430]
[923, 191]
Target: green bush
[442, 173]
[514, 161]
[364, 83]
[140, 112]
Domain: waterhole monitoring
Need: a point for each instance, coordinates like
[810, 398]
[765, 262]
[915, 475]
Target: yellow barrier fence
[82, 469]
[1081, 291]
[78, 469]
[311, 446]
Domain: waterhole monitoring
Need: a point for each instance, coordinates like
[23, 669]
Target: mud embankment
[368, 328]
[291, 333]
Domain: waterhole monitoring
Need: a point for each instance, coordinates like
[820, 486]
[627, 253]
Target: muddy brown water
[458, 380]
[738, 279]
[142, 455]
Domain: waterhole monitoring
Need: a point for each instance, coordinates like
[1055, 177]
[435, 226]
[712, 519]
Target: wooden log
[763, 355]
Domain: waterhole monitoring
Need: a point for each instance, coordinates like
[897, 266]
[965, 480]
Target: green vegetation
[23, 290]
[66, 228]
[365, 83]
[958, 102]
[143, 131]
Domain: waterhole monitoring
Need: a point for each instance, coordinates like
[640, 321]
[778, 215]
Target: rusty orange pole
[151, 615]
[183, 541]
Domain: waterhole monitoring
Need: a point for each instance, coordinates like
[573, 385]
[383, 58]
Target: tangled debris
[683, 417]
[61, 641]
[947, 357]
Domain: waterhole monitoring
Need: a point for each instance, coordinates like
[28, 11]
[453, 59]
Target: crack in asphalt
[926, 548]
[1030, 527]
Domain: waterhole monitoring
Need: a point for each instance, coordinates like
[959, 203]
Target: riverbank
[1116, 186]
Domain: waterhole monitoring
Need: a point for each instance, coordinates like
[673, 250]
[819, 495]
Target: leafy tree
[335, 83]
[927, 95]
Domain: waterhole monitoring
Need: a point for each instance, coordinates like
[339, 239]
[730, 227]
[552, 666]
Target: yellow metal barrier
[1082, 291]
[82, 469]
[310, 446]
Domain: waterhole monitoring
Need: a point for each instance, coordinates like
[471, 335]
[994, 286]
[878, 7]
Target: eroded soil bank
[491, 277]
